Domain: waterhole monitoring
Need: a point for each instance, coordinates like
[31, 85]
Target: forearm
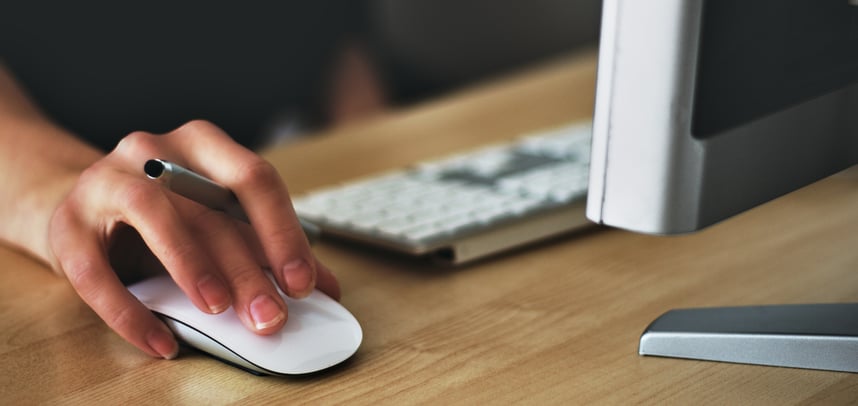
[39, 163]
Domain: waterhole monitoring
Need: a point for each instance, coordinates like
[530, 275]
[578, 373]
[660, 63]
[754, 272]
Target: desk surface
[553, 323]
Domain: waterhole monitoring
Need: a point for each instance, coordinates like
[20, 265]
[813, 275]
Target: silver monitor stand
[814, 336]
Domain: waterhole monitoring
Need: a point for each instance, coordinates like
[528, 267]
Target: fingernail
[214, 293]
[265, 312]
[161, 341]
[298, 277]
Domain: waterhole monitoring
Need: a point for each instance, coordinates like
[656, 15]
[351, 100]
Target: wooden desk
[554, 323]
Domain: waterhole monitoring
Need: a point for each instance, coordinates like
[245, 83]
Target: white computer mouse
[318, 334]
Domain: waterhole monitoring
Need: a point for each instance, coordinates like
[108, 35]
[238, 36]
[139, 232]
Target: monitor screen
[706, 108]
[759, 57]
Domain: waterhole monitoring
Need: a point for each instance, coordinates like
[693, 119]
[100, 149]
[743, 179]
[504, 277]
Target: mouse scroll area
[319, 333]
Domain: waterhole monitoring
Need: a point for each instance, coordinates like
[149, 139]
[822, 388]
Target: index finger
[261, 192]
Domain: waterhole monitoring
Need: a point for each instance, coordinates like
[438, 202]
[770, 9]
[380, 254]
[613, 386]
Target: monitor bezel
[650, 174]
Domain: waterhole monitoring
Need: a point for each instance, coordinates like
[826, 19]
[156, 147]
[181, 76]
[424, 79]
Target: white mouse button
[318, 334]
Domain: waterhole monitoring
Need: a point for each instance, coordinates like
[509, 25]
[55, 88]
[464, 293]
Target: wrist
[38, 170]
[29, 230]
[39, 164]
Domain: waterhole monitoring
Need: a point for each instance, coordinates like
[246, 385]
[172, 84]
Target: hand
[114, 215]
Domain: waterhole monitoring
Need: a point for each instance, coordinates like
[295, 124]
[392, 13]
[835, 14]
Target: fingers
[326, 281]
[105, 198]
[146, 207]
[83, 261]
[262, 194]
[214, 260]
[256, 301]
[206, 149]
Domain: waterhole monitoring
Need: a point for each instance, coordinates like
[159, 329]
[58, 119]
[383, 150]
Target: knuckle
[82, 273]
[242, 275]
[135, 141]
[87, 279]
[291, 238]
[284, 236]
[179, 254]
[196, 127]
[90, 179]
[257, 171]
[121, 319]
[140, 196]
[211, 222]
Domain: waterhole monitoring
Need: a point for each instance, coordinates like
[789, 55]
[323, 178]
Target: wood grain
[557, 322]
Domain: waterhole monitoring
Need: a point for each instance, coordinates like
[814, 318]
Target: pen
[200, 189]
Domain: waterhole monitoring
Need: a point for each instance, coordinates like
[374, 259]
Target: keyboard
[466, 206]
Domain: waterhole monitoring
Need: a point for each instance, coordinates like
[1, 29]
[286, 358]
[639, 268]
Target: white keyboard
[467, 206]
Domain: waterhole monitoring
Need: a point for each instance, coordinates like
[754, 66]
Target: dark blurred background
[103, 69]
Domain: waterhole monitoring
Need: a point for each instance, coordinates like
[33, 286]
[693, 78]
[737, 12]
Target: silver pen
[200, 189]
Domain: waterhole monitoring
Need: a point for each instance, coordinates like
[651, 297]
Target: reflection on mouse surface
[319, 333]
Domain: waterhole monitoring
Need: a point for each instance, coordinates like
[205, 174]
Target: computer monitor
[706, 108]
